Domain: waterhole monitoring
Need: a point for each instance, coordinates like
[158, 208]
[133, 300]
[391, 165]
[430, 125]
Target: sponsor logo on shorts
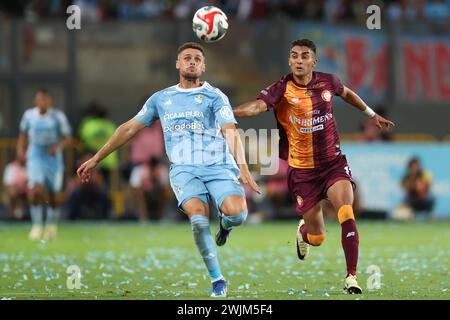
[300, 201]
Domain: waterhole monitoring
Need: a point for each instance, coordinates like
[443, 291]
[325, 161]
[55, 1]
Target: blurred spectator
[253, 9]
[335, 11]
[90, 9]
[15, 180]
[182, 9]
[417, 187]
[139, 9]
[149, 182]
[371, 133]
[148, 143]
[292, 8]
[88, 200]
[405, 10]
[94, 130]
[437, 11]
[345, 11]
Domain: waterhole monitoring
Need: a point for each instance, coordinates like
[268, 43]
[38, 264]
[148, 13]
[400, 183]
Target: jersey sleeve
[273, 93]
[149, 112]
[66, 130]
[222, 109]
[24, 122]
[337, 85]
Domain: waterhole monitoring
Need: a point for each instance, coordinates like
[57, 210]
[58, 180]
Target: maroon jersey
[308, 133]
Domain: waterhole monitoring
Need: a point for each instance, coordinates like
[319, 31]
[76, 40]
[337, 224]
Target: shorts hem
[332, 181]
[226, 195]
[201, 197]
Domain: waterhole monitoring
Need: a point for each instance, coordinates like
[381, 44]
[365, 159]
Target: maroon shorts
[309, 186]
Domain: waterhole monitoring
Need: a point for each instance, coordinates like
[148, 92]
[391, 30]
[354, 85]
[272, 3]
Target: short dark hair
[191, 45]
[43, 91]
[304, 43]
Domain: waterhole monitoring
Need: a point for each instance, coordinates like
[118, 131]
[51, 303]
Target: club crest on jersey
[308, 93]
[199, 98]
[300, 201]
[226, 113]
[326, 95]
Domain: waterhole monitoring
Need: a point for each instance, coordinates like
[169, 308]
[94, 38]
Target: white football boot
[302, 246]
[351, 285]
[35, 232]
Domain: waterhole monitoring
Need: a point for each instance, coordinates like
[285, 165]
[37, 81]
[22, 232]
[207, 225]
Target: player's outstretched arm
[250, 109]
[352, 98]
[122, 135]
[237, 149]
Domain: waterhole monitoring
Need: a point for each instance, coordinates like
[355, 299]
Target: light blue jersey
[43, 131]
[191, 120]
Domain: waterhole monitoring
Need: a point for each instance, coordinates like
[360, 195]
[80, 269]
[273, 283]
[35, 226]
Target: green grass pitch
[160, 261]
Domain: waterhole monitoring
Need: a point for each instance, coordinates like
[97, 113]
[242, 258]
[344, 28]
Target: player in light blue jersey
[205, 151]
[47, 132]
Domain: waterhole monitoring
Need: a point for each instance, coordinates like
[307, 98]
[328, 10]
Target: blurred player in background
[196, 118]
[310, 143]
[48, 133]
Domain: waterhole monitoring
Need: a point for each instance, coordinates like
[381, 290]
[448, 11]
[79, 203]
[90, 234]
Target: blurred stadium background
[126, 50]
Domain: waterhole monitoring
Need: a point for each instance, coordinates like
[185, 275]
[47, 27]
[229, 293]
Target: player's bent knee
[238, 219]
[316, 239]
[345, 213]
[233, 205]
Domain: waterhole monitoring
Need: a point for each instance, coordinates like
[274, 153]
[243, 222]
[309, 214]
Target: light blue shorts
[215, 181]
[47, 171]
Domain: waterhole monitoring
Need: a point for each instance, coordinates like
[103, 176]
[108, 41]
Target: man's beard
[190, 76]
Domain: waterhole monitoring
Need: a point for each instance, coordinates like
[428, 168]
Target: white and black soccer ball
[210, 24]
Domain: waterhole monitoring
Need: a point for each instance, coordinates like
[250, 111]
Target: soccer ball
[210, 24]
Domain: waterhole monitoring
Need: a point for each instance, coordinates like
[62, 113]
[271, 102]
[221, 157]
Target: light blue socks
[37, 213]
[52, 215]
[206, 245]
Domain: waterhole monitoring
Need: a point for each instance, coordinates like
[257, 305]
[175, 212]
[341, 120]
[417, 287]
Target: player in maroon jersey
[309, 141]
